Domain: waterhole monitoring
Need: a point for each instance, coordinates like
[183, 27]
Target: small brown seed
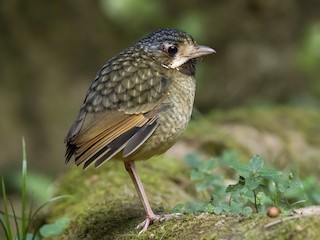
[273, 212]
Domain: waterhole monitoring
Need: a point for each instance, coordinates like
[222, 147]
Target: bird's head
[172, 48]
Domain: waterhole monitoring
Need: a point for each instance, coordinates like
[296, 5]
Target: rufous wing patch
[105, 135]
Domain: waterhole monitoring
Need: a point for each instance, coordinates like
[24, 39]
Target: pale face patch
[187, 52]
[182, 56]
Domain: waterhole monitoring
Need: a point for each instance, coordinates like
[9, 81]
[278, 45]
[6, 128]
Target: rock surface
[104, 204]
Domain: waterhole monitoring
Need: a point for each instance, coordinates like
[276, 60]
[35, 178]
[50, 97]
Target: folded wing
[119, 112]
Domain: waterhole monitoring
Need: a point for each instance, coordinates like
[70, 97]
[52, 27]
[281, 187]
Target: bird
[137, 106]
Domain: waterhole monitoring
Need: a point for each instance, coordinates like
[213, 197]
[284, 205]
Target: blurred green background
[268, 53]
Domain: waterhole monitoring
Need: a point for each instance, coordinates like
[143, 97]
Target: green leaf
[246, 211]
[252, 182]
[239, 198]
[56, 228]
[269, 173]
[261, 198]
[228, 158]
[201, 186]
[215, 181]
[207, 165]
[196, 175]
[281, 187]
[209, 208]
[256, 163]
[242, 169]
[193, 159]
[196, 207]
[217, 210]
[238, 186]
[295, 183]
[235, 208]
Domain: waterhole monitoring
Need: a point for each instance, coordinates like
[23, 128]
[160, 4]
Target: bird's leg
[151, 217]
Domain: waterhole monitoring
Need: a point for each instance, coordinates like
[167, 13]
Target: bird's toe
[151, 219]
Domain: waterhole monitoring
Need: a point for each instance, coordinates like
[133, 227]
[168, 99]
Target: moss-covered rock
[104, 203]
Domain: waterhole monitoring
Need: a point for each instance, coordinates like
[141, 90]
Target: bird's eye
[172, 50]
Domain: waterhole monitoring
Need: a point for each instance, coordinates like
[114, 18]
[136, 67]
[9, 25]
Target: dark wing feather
[116, 146]
[108, 151]
[140, 137]
[94, 141]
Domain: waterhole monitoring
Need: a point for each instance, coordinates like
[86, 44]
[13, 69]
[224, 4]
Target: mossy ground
[104, 204]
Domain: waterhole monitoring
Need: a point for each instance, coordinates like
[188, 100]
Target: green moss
[106, 199]
[104, 203]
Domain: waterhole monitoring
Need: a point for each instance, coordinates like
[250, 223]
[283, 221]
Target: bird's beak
[198, 51]
[191, 51]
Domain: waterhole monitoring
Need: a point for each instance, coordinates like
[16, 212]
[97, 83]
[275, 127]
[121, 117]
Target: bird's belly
[172, 122]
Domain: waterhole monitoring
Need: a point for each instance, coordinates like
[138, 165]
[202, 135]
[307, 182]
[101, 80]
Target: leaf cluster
[254, 187]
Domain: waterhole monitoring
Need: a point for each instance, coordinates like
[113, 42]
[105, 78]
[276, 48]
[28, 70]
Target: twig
[283, 220]
[302, 212]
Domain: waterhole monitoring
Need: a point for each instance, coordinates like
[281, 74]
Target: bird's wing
[119, 112]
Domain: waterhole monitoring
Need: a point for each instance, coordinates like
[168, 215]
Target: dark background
[268, 53]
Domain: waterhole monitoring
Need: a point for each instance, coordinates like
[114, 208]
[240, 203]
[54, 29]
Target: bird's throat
[188, 68]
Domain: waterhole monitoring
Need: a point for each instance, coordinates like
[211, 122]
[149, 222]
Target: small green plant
[255, 189]
[22, 223]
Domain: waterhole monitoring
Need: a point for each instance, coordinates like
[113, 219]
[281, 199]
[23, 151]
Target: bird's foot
[154, 218]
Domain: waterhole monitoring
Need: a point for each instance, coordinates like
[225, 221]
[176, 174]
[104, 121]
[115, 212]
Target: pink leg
[151, 217]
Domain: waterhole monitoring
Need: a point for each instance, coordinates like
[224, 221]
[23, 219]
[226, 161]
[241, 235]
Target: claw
[146, 223]
[151, 219]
